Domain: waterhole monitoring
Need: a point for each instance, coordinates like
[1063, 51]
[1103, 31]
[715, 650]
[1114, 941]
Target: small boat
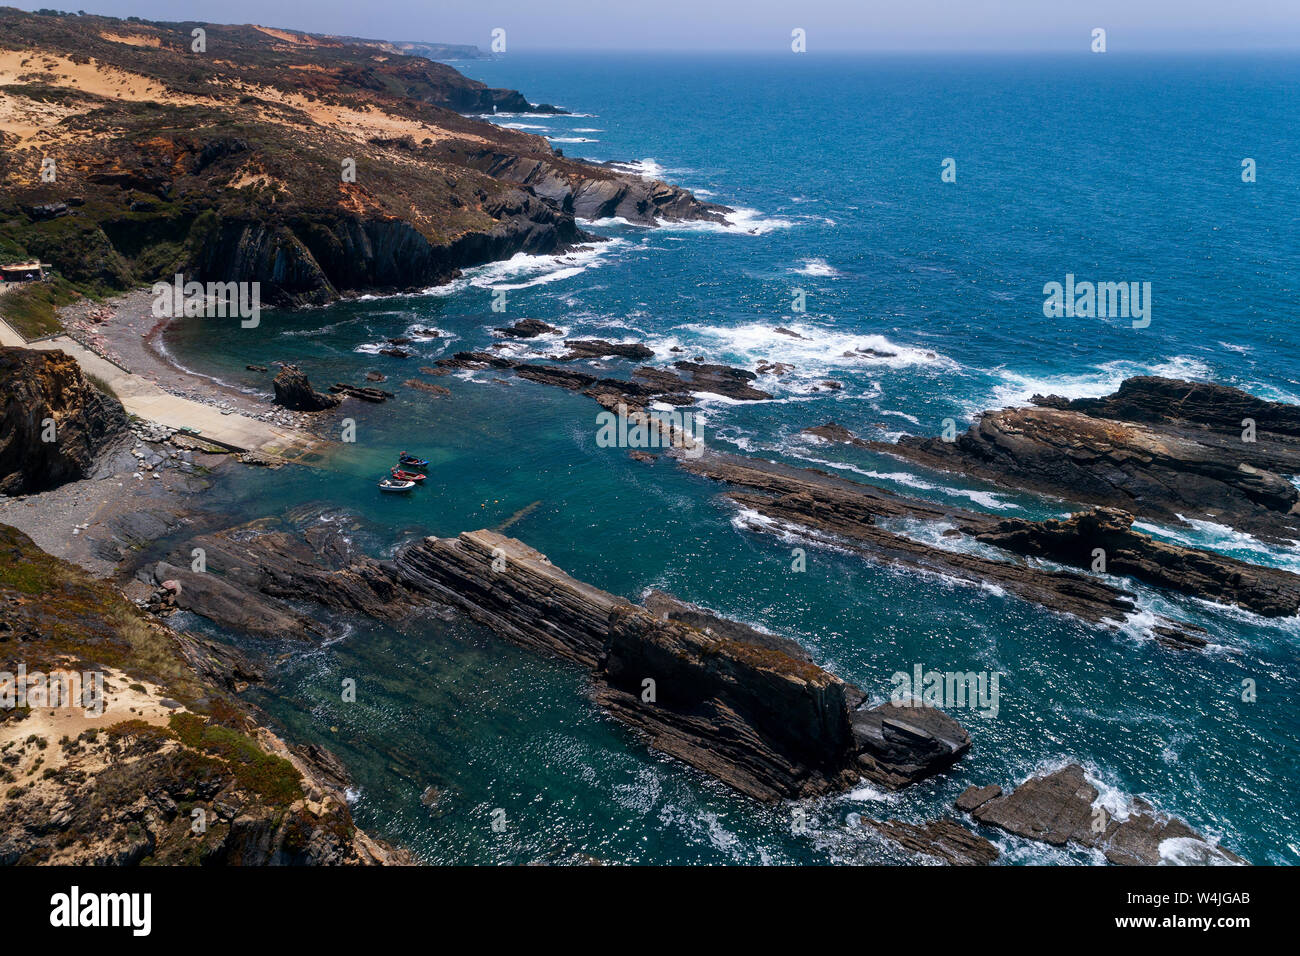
[414, 476]
[410, 461]
[394, 485]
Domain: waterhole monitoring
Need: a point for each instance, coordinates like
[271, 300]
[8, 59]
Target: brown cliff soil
[173, 769]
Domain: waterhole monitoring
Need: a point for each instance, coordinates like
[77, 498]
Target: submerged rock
[945, 839]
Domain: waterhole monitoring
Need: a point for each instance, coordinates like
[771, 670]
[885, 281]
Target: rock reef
[1106, 535]
[1157, 448]
[711, 693]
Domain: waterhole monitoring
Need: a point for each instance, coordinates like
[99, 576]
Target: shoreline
[124, 330]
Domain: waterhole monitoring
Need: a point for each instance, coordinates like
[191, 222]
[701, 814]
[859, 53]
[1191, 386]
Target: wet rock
[1271, 592]
[599, 348]
[945, 839]
[813, 500]
[1061, 808]
[375, 396]
[973, 797]
[426, 387]
[293, 391]
[527, 329]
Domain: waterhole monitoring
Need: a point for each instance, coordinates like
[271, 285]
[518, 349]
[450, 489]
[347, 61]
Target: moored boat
[414, 476]
[394, 485]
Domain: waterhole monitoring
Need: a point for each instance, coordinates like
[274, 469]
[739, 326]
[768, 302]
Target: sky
[760, 25]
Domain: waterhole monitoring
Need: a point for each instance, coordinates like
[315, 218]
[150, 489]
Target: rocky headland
[316, 167]
[173, 768]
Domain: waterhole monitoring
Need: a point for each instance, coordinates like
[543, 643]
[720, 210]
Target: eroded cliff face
[170, 767]
[53, 422]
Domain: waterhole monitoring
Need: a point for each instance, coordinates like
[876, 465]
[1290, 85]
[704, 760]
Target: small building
[22, 272]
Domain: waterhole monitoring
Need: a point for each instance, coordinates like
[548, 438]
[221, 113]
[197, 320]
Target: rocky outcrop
[252, 571]
[1062, 808]
[944, 839]
[592, 192]
[648, 383]
[599, 348]
[729, 703]
[53, 422]
[851, 513]
[293, 391]
[1182, 452]
[527, 329]
[1106, 535]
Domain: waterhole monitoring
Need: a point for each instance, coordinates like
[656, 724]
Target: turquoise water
[1108, 168]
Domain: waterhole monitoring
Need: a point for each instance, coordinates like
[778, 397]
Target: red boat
[407, 476]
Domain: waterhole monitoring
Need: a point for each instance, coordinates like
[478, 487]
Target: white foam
[572, 139]
[647, 168]
[740, 221]
[1019, 388]
[813, 354]
[1189, 851]
[535, 270]
[818, 267]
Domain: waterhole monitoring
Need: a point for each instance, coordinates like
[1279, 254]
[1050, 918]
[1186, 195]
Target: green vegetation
[273, 777]
[31, 308]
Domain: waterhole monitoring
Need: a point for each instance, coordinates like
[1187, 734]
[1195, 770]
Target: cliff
[53, 422]
[313, 165]
[173, 769]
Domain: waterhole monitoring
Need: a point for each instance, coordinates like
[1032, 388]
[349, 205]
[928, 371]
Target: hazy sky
[759, 24]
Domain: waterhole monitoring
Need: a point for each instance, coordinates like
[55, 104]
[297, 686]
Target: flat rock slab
[946, 840]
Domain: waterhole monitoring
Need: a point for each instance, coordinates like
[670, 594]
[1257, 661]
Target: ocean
[924, 299]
